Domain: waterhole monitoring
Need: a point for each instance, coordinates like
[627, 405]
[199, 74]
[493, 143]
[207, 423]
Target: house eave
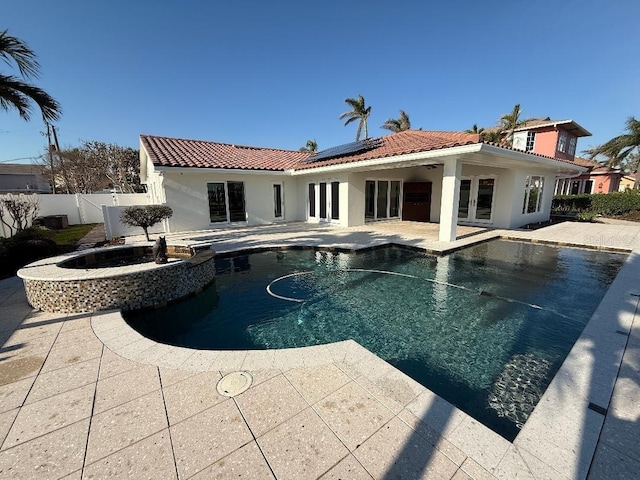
[583, 132]
[558, 165]
[465, 152]
[396, 161]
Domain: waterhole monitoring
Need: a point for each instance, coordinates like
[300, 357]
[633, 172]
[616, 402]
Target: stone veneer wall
[146, 288]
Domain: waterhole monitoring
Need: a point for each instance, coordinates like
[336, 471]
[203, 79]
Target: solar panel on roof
[346, 149]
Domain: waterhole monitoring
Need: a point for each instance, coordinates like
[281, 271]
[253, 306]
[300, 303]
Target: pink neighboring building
[599, 179]
[559, 139]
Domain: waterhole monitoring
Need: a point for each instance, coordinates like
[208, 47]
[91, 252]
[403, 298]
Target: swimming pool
[485, 328]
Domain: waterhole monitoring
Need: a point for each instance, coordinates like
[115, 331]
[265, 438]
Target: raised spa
[123, 278]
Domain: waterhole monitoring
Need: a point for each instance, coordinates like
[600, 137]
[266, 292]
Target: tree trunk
[146, 232]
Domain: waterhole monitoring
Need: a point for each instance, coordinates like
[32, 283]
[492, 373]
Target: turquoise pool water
[486, 327]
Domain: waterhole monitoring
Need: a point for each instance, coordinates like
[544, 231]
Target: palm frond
[475, 129]
[399, 124]
[12, 48]
[351, 119]
[310, 146]
[12, 88]
[12, 99]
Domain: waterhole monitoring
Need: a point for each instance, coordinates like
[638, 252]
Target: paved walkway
[94, 236]
[71, 407]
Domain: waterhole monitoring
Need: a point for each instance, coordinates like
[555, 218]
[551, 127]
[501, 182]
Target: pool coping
[558, 440]
[50, 269]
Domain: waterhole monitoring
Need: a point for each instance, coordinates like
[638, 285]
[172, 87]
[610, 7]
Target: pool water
[485, 328]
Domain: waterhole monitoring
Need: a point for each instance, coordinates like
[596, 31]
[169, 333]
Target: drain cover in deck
[234, 384]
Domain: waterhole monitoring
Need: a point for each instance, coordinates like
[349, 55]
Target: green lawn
[70, 235]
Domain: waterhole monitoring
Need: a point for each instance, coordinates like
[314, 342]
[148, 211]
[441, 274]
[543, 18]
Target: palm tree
[359, 112]
[399, 124]
[475, 129]
[493, 136]
[14, 91]
[509, 122]
[311, 146]
[623, 150]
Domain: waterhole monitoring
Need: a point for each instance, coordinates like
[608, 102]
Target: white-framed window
[588, 186]
[226, 202]
[533, 190]
[278, 201]
[574, 187]
[573, 140]
[382, 199]
[563, 139]
[531, 140]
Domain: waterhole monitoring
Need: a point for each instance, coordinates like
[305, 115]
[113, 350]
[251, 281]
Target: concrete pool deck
[83, 396]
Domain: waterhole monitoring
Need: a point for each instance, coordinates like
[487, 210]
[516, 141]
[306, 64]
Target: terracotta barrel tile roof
[178, 152]
[409, 141]
[584, 162]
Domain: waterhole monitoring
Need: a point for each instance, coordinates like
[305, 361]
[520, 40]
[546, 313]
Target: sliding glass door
[382, 199]
[226, 202]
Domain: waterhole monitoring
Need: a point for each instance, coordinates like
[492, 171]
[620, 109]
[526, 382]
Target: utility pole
[49, 145]
[64, 171]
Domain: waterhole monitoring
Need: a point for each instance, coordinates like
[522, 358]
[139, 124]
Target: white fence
[80, 208]
[114, 228]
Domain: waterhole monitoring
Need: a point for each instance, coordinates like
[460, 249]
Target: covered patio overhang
[452, 160]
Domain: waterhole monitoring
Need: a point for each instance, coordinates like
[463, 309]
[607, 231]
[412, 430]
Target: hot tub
[123, 277]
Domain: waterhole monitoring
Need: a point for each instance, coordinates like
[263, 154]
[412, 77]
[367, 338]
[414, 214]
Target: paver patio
[81, 396]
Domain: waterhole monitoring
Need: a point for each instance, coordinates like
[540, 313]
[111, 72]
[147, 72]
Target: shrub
[22, 209]
[616, 203]
[24, 247]
[145, 216]
[586, 217]
[571, 203]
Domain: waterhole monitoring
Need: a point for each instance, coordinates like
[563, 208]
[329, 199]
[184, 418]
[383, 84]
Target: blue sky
[276, 73]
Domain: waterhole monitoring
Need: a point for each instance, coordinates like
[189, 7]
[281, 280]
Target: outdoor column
[450, 199]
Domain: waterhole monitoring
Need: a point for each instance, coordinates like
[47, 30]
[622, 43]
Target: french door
[323, 201]
[226, 202]
[476, 200]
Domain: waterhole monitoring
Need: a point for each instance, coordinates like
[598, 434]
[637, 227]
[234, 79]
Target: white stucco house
[446, 177]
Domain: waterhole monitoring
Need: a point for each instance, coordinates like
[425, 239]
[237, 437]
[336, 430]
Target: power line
[21, 158]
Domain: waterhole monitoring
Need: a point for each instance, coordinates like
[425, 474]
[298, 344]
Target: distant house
[554, 138]
[23, 178]
[559, 139]
[627, 182]
[597, 179]
[446, 177]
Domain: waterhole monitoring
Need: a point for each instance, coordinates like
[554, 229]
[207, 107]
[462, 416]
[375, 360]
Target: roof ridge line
[220, 143]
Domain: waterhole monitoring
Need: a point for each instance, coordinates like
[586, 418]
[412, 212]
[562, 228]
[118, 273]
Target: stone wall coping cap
[49, 269]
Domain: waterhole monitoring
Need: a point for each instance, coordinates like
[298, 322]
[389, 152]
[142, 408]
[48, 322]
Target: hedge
[24, 247]
[616, 203]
